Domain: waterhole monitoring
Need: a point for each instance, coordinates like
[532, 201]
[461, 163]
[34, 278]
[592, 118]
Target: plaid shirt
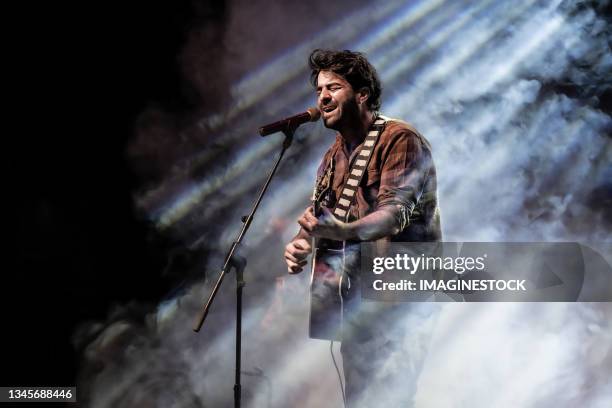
[401, 173]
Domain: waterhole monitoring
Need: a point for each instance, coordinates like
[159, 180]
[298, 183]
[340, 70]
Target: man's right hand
[295, 254]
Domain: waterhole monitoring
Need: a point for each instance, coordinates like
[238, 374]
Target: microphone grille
[314, 113]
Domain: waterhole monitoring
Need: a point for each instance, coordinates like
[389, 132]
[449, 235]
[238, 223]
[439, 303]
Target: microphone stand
[232, 259]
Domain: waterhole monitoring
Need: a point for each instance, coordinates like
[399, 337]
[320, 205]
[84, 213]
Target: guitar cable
[331, 344]
[331, 351]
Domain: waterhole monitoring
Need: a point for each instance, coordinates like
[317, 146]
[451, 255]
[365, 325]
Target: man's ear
[362, 95]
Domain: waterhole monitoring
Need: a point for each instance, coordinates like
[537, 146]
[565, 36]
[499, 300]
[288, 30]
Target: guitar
[327, 273]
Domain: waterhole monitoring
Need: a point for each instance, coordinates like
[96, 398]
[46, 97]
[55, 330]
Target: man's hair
[352, 66]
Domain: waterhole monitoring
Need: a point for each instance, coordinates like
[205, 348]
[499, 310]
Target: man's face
[336, 100]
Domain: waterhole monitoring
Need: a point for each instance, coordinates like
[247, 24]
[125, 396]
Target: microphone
[311, 115]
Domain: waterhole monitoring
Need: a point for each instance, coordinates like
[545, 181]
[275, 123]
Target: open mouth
[328, 109]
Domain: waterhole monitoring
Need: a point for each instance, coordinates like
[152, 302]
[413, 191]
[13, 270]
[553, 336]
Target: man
[395, 201]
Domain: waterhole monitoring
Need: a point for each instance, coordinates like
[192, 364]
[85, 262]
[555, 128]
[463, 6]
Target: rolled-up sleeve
[406, 164]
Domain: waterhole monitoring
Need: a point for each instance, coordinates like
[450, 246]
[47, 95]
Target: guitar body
[327, 270]
[330, 278]
[326, 291]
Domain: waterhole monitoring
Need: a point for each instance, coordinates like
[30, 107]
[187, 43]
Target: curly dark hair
[352, 66]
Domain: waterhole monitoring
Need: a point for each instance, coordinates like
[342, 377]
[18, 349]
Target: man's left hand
[325, 226]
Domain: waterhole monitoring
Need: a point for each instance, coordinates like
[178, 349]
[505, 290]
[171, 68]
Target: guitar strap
[357, 168]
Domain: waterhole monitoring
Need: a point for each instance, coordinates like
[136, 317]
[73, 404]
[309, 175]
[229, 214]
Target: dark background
[76, 246]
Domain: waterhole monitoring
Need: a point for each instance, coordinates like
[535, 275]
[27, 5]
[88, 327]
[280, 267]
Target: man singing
[393, 199]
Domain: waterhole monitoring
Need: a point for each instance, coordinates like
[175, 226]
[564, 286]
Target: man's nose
[324, 97]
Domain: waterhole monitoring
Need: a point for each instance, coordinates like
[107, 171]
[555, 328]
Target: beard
[346, 115]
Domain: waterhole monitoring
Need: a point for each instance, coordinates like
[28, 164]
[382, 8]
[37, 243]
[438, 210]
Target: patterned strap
[357, 169]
